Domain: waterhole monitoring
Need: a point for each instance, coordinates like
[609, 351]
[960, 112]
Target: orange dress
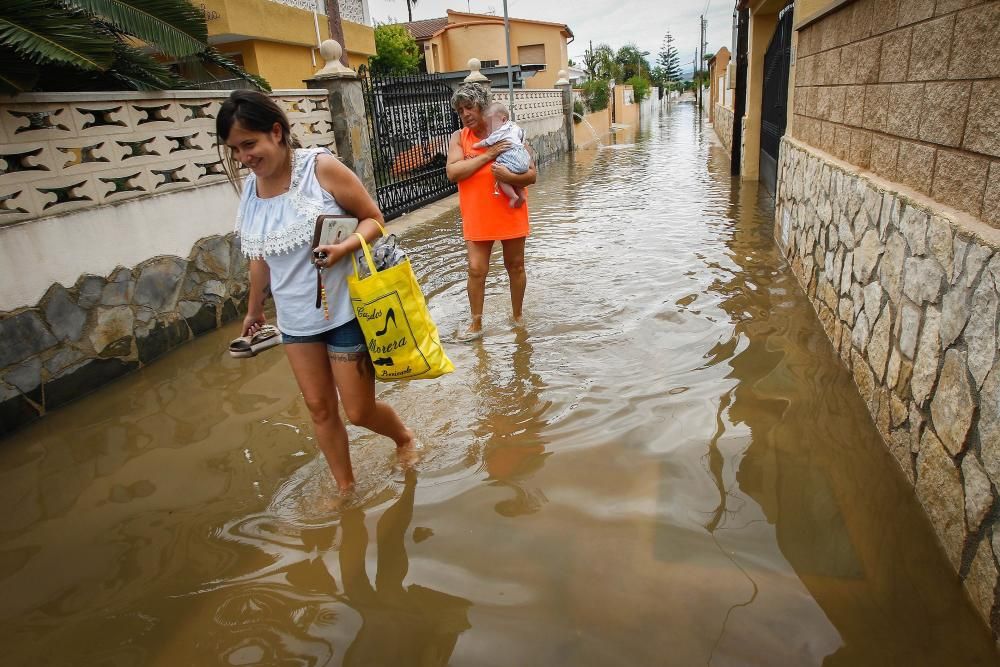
[486, 217]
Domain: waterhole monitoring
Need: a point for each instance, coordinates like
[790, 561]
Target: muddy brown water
[670, 467]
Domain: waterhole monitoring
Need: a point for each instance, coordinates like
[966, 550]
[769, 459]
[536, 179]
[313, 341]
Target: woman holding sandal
[287, 188]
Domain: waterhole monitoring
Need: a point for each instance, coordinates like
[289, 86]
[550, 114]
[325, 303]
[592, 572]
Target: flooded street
[670, 467]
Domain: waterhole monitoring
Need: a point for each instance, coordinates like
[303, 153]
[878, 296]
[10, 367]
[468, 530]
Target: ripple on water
[668, 461]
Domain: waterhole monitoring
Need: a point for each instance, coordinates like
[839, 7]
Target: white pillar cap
[475, 76]
[331, 50]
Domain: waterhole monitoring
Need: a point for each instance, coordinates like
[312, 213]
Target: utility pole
[700, 57]
[694, 79]
[704, 42]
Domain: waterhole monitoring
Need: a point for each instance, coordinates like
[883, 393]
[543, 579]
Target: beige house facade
[449, 43]
[719, 81]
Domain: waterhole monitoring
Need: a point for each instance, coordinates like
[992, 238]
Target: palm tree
[65, 45]
[409, 8]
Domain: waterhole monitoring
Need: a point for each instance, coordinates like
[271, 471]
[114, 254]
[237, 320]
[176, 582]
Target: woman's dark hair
[255, 112]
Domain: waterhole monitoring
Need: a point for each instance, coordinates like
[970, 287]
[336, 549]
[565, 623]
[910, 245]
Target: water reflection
[400, 625]
[309, 598]
[511, 421]
[817, 472]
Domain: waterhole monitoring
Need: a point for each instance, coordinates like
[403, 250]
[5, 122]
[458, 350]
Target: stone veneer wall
[724, 126]
[74, 340]
[908, 293]
[909, 89]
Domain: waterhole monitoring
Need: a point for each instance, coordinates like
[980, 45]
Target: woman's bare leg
[479, 266]
[312, 371]
[355, 380]
[513, 261]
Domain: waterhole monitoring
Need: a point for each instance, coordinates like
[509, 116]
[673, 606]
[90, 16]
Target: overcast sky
[616, 22]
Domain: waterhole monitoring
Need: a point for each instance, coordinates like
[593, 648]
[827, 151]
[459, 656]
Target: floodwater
[669, 467]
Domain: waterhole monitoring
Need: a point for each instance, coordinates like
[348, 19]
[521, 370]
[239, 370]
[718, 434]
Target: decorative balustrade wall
[64, 152]
[116, 240]
[543, 117]
[355, 11]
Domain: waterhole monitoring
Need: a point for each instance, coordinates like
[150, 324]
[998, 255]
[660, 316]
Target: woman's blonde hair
[255, 112]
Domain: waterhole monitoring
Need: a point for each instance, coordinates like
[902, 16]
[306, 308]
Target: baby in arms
[515, 158]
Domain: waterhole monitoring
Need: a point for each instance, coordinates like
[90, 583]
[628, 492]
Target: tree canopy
[603, 62]
[631, 63]
[396, 50]
[599, 62]
[76, 45]
[669, 61]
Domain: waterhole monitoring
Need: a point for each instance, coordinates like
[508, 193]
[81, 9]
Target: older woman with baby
[488, 161]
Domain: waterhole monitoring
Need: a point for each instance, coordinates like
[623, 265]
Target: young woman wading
[286, 189]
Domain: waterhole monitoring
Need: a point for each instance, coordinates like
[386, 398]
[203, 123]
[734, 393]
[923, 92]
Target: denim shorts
[345, 339]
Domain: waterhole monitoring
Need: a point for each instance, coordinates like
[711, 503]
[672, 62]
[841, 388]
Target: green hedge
[596, 94]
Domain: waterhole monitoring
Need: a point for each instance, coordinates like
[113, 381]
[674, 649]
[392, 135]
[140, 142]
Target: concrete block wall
[909, 90]
[63, 152]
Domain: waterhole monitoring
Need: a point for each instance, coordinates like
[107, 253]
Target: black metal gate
[775, 98]
[410, 121]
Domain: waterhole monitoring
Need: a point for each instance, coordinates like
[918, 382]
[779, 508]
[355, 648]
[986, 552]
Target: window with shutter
[531, 54]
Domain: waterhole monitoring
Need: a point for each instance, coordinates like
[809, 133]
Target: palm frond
[16, 75]
[174, 27]
[212, 57]
[41, 33]
[140, 71]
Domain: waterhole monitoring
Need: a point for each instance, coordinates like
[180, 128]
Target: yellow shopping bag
[402, 339]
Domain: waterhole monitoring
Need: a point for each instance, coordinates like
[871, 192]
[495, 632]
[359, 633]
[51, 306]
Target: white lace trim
[300, 230]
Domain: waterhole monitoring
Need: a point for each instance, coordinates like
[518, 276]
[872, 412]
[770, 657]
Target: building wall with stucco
[278, 41]
[480, 36]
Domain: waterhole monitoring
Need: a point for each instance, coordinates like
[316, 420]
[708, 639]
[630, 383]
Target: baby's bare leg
[511, 193]
[520, 197]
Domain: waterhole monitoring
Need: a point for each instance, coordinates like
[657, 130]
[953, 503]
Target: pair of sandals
[248, 346]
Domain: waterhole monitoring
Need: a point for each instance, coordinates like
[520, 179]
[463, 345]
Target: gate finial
[331, 51]
[475, 76]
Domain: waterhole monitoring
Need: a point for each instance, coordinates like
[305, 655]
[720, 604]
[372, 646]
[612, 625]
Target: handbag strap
[319, 287]
[367, 251]
[368, 257]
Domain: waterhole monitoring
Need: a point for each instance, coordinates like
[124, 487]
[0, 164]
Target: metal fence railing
[410, 122]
